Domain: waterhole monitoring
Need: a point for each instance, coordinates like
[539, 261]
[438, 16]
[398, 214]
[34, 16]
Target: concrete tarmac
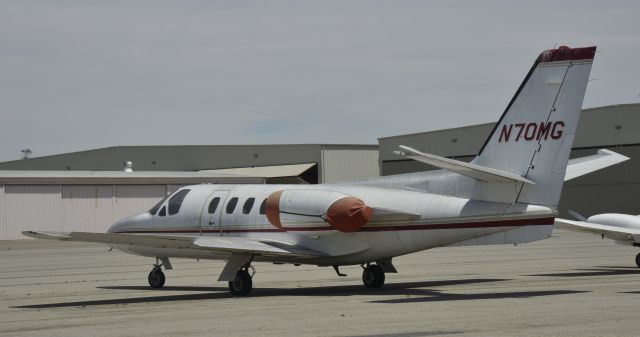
[569, 285]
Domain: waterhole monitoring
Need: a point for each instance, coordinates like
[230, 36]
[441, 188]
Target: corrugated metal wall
[339, 165]
[130, 199]
[91, 208]
[24, 206]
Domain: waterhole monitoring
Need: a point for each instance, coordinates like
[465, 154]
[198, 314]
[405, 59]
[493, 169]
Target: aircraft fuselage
[419, 221]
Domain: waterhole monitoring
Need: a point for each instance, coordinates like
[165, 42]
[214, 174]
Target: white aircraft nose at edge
[508, 194]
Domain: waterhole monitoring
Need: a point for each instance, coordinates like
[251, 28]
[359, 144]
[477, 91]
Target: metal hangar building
[89, 190]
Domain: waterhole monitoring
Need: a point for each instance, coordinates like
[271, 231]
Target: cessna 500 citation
[507, 195]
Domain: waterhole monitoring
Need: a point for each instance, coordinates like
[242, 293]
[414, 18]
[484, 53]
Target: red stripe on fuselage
[457, 225]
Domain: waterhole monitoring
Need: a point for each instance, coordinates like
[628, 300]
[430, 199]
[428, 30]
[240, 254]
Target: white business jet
[624, 229]
[507, 195]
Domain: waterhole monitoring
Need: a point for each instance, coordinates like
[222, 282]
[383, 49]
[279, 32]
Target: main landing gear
[638, 260]
[372, 276]
[156, 276]
[242, 283]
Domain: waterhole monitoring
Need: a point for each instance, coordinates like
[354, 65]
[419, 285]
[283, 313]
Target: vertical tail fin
[534, 136]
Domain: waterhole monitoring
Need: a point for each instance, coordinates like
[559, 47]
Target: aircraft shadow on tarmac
[415, 334]
[629, 292]
[595, 271]
[412, 292]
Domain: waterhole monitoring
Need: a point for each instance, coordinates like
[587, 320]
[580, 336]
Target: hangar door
[29, 207]
[87, 207]
[96, 207]
[134, 199]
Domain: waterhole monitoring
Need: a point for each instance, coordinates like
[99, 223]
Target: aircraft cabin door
[211, 218]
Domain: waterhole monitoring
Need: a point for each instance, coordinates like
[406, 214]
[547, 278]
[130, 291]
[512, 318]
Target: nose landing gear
[156, 276]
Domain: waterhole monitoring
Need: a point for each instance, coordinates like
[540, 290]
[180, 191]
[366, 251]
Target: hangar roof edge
[474, 126]
[109, 177]
[212, 146]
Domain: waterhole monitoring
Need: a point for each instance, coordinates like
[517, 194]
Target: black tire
[638, 260]
[241, 284]
[156, 278]
[373, 276]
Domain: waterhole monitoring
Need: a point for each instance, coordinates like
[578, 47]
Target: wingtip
[29, 233]
[46, 235]
[613, 153]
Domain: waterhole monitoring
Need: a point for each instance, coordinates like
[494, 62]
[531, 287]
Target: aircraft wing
[214, 244]
[466, 169]
[580, 166]
[610, 232]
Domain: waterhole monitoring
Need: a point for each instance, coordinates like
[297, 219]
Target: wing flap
[466, 169]
[580, 166]
[249, 246]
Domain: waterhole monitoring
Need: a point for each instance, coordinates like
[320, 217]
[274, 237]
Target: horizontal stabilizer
[214, 244]
[580, 166]
[466, 169]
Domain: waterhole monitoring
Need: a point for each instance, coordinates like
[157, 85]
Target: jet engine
[312, 210]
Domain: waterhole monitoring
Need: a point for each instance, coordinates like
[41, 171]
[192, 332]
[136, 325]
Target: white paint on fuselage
[365, 245]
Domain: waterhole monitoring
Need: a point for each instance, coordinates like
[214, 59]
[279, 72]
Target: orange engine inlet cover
[348, 214]
[272, 209]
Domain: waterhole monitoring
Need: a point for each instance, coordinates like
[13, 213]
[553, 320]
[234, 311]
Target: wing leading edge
[214, 244]
[620, 234]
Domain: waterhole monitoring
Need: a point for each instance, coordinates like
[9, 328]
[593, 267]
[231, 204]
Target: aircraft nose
[118, 226]
[139, 220]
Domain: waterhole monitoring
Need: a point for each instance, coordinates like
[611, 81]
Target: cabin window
[231, 205]
[176, 201]
[248, 205]
[163, 211]
[155, 208]
[263, 206]
[213, 205]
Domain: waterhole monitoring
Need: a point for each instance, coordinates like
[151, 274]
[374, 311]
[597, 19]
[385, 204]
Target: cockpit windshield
[176, 201]
[155, 208]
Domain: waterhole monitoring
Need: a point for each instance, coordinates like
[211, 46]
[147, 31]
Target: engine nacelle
[312, 210]
[616, 219]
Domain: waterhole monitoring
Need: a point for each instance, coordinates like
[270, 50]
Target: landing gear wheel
[156, 278]
[373, 276]
[241, 284]
[638, 260]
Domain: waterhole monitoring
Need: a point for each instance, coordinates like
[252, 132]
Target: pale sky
[78, 75]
